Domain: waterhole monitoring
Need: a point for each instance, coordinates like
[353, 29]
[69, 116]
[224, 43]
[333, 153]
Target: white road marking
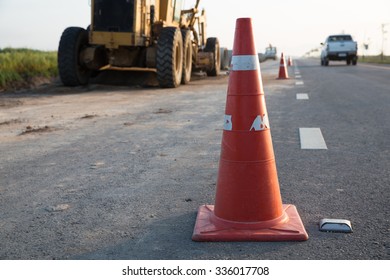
[298, 76]
[299, 83]
[312, 139]
[302, 96]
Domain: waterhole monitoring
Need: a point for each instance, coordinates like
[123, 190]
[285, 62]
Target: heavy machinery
[139, 35]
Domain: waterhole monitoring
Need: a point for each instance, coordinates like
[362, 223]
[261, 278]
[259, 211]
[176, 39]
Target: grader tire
[169, 61]
[71, 72]
[224, 58]
[187, 56]
[212, 45]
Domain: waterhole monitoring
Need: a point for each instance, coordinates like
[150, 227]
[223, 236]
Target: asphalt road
[118, 172]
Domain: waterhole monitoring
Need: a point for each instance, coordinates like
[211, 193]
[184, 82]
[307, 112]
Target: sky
[294, 27]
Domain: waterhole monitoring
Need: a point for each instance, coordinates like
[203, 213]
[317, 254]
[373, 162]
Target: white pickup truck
[339, 47]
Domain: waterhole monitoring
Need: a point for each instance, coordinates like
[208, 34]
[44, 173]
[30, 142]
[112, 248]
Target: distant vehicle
[339, 47]
[270, 52]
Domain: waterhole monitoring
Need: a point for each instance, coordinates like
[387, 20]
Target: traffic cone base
[288, 227]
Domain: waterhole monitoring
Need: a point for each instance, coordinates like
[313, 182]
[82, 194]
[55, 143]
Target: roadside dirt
[29, 84]
[79, 162]
[51, 107]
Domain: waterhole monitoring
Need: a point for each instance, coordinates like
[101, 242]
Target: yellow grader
[139, 35]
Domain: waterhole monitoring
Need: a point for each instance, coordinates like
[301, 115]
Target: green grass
[375, 59]
[19, 66]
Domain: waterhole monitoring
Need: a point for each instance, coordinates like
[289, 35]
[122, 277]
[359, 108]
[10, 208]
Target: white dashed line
[302, 96]
[312, 139]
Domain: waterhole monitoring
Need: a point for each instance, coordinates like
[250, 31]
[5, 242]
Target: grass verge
[20, 67]
[375, 59]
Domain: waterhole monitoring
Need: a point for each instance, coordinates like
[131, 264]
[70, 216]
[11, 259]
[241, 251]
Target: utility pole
[383, 39]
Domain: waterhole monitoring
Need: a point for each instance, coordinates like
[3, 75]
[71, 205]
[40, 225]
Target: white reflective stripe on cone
[245, 62]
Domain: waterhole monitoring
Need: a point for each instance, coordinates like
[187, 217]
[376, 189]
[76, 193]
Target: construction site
[155, 144]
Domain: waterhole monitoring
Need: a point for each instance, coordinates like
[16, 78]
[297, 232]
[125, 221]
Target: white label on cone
[245, 63]
[227, 125]
[260, 123]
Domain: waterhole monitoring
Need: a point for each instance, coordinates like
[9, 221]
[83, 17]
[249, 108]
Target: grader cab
[139, 35]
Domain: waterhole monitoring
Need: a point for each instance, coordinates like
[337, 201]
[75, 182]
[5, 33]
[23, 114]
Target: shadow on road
[170, 239]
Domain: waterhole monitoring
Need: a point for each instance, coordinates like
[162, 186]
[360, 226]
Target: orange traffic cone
[248, 204]
[289, 63]
[283, 69]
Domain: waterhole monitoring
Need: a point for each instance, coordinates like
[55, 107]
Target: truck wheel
[71, 71]
[169, 61]
[326, 61]
[224, 58]
[187, 56]
[212, 45]
[354, 61]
